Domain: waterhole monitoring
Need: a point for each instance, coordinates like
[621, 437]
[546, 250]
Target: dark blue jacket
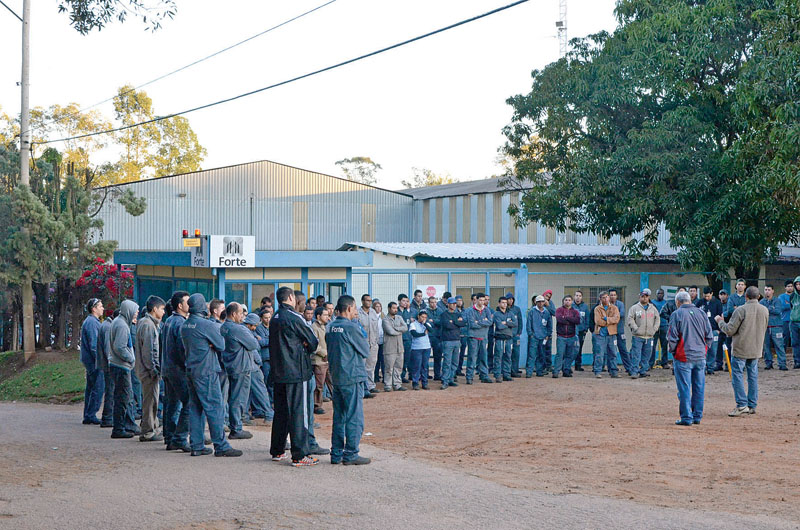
[239, 342]
[505, 324]
[201, 340]
[174, 352]
[434, 315]
[775, 308]
[347, 351]
[540, 323]
[291, 343]
[517, 312]
[407, 315]
[734, 301]
[89, 330]
[450, 326]
[104, 345]
[711, 309]
[262, 334]
[586, 317]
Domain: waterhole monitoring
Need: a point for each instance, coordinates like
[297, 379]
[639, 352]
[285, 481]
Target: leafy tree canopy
[86, 15]
[425, 177]
[359, 169]
[687, 114]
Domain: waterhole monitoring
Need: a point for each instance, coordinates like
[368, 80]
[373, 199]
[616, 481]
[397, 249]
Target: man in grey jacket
[371, 322]
[121, 360]
[347, 351]
[747, 328]
[394, 326]
[148, 366]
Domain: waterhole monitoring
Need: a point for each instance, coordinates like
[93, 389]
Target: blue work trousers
[624, 355]
[535, 359]
[348, 422]
[641, 352]
[477, 357]
[749, 398]
[419, 366]
[93, 393]
[206, 404]
[176, 409]
[123, 396]
[238, 400]
[502, 357]
[462, 354]
[450, 351]
[773, 338]
[690, 378]
[259, 397]
[605, 349]
[136, 387]
[566, 348]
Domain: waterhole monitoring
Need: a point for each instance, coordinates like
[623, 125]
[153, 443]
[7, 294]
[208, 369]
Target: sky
[439, 103]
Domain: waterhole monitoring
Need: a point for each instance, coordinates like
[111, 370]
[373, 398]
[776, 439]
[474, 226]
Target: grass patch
[7, 356]
[58, 380]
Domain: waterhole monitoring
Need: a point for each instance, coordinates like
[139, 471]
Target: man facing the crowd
[505, 325]
[644, 321]
[347, 351]
[291, 345]
[606, 319]
[583, 310]
[148, 369]
[394, 327]
[95, 381]
[567, 320]
[747, 328]
[689, 337]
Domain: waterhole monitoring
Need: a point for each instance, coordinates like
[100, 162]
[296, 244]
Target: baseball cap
[540, 298]
[252, 319]
[723, 291]
[648, 292]
[459, 297]
[548, 291]
[452, 300]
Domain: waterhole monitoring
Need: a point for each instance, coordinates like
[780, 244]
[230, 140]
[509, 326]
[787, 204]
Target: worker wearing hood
[202, 341]
[121, 360]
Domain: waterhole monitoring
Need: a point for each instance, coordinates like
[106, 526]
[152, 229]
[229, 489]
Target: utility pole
[28, 335]
[561, 25]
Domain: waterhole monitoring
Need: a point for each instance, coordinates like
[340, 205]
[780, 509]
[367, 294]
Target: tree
[86, 15]
[359, 169]
[425, 177]
[641, 126]
[157, 149]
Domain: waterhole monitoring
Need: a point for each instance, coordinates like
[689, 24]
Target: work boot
[123, 434]
[319, 451]
[203, 452]
[91, 421]
[229, 452]
[178, 447]
[360, 461]
[579, 369]
[453, 383]
[240, 435]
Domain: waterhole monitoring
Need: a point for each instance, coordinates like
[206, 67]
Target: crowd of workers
[184, 364]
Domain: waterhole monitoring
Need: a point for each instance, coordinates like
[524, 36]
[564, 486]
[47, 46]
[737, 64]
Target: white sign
[232, 251]
[200, 253]
[432, 290]
[669, 291]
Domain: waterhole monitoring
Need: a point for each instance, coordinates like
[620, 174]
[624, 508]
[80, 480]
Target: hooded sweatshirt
[121, 354]
[794, 314]
[201, 340]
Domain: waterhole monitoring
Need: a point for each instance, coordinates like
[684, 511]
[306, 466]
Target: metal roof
[471, 187]
[524, 252]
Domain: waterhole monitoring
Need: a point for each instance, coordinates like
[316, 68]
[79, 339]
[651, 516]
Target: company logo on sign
[232, 251]
[431, 290]
[233, 246]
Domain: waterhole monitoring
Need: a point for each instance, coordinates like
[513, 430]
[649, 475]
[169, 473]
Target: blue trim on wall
[521, 301]
[168, 258]
[221, 287]
[349, 281]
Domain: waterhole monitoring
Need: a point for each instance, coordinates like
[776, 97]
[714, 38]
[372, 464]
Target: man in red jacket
[567, 317]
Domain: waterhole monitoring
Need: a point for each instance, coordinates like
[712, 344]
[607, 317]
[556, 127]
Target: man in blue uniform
[239, 365]
[514, 309]
[583, 310]
[479, 320]
[347, 353]
[774, 335]
[176, 388]
[540, 328]
[202, 341]
[95, 382]
[103, 350]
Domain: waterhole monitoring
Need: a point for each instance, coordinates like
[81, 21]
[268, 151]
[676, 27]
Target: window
[591, 294]
[236, 292]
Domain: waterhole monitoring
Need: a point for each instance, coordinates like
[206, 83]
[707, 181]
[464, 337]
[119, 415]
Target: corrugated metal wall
[258, 198]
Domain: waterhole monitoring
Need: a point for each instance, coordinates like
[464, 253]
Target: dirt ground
[607, 437]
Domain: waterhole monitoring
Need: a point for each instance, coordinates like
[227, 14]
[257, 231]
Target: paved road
[91, 481]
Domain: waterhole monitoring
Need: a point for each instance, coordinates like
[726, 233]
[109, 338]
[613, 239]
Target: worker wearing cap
[514, 309]
[540, 328]
[606, 319]
[644, 322]
[95, 381]
[451, 322]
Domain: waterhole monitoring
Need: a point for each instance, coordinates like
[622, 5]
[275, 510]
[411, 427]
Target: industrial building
[326, 235]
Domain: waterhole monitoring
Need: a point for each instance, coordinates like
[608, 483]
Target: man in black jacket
[290, 347]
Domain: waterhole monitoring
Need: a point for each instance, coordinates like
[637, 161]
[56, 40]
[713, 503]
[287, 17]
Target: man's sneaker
[453, 383]
[91, 421]
[319, 410]
[469, 381]
[360, 461]
[240, 435]
[177, 447]
[569, 374]
[634, 376]
[154, 438]
[307, 461]
[751, 410]
[319, 451]
[598, 376]
[769, 367]
[507, 379]
[229, 452]
[123, 434]
[401, 389]
[424, 387]
[579, 369]
[387, 389]
[369, 395]
[684, 423]
[335, 461]
[280, 457]
[374, 390]
[203, 452]
[646, 374]
[783, 369]
[739, 411]
[555, 376]
[486, 381]
[615, 376]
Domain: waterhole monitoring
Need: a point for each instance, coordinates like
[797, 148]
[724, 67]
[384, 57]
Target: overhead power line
[11, 10]
[293, 79]
[193, 63]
